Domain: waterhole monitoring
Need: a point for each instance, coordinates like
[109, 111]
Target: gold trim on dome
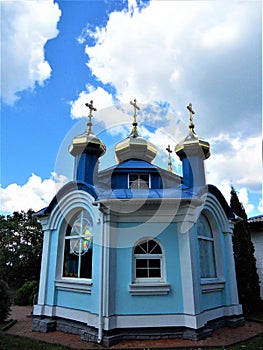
[135, 146]
[87, 140]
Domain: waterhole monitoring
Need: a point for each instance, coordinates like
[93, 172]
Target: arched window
[206, 248]
[148, 261]
[78, 247]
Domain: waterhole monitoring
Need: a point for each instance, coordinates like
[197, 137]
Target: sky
[58, 55]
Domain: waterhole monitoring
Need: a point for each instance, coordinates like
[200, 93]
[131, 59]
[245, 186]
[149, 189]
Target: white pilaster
[44, 268]
[231, 267]
[189, 262]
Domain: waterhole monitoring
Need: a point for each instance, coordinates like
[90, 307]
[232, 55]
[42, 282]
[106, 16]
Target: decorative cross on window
[91, 109]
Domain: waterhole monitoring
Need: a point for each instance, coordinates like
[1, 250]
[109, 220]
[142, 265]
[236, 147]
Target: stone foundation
[112, 337]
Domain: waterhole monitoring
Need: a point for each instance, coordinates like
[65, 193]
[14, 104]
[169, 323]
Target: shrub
[25, 294]
[5, 301]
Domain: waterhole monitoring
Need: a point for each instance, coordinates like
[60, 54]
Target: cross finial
[91, 109]
[190, 109]
[136, 107]
[168, 149]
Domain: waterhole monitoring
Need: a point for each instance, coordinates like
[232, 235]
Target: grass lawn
[12, 342]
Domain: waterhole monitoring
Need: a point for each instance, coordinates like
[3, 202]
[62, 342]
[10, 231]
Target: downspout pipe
[101, 287]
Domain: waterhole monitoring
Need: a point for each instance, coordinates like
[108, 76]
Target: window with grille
[148, 261]
[78, 247]
[137, 181]
[206, 248]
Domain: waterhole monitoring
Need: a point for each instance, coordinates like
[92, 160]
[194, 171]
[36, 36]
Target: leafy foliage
[21, 241]
[25, 294]
[245, 262]
[5, 301]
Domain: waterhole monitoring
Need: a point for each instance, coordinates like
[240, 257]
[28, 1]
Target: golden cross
[91, 108]
[134, 104]
[168, 149]
[190, 109]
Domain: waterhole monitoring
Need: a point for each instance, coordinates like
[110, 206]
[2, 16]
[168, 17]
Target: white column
[43, 274]
[188, 261]
[231, 267]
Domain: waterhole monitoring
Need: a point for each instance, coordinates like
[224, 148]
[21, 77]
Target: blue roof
[135, 164]
[143, 193]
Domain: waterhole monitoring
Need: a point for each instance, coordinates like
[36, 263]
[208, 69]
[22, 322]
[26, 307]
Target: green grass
[13, 342]
[255, 343]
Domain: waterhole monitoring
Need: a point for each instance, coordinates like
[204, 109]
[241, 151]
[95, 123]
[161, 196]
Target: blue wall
[153, 304]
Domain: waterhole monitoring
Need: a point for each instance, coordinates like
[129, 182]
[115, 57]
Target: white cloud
[236, 160]
[102, 99]
[243, 198]
[171, 50]
[243, 195]
[35, 194]
[206, 52]
[26, 27]
[178, 51]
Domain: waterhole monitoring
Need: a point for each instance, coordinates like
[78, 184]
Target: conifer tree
[245, 262]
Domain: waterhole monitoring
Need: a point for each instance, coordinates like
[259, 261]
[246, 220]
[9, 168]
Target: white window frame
[67, 281]
[202, 237]
[149, 285]
[139, 175]
[217, 283]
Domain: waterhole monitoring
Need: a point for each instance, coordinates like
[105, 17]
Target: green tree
[21, 239]
[5, 301]
[245, 262]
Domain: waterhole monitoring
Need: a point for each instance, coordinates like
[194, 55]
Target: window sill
[149, 289]
[212, 285]
[74, 285]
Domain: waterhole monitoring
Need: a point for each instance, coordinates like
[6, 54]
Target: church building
[136, 251]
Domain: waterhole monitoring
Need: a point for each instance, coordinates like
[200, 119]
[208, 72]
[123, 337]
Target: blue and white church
[136, 251]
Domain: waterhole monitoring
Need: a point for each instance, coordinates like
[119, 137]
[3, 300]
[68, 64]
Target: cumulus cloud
[35, 194]
[236, 160]
[26, 27]
[103, 99]
[206, 52]
[178, 51]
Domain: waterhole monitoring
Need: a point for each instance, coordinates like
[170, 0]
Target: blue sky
[57, 55]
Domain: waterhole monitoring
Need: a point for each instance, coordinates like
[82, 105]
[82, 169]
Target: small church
[136, 251]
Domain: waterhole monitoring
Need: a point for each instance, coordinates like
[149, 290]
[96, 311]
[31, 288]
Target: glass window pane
[143, 248]
[141, 263]
[154, 273]
[86, 265]
[154, 248]
[133, 177]
[207, 259]
[78, 250]
[141, 273]
[139, 181]
[154, 263]
[146, 266]
[70, 268]
[203, 227]
[145, 178]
